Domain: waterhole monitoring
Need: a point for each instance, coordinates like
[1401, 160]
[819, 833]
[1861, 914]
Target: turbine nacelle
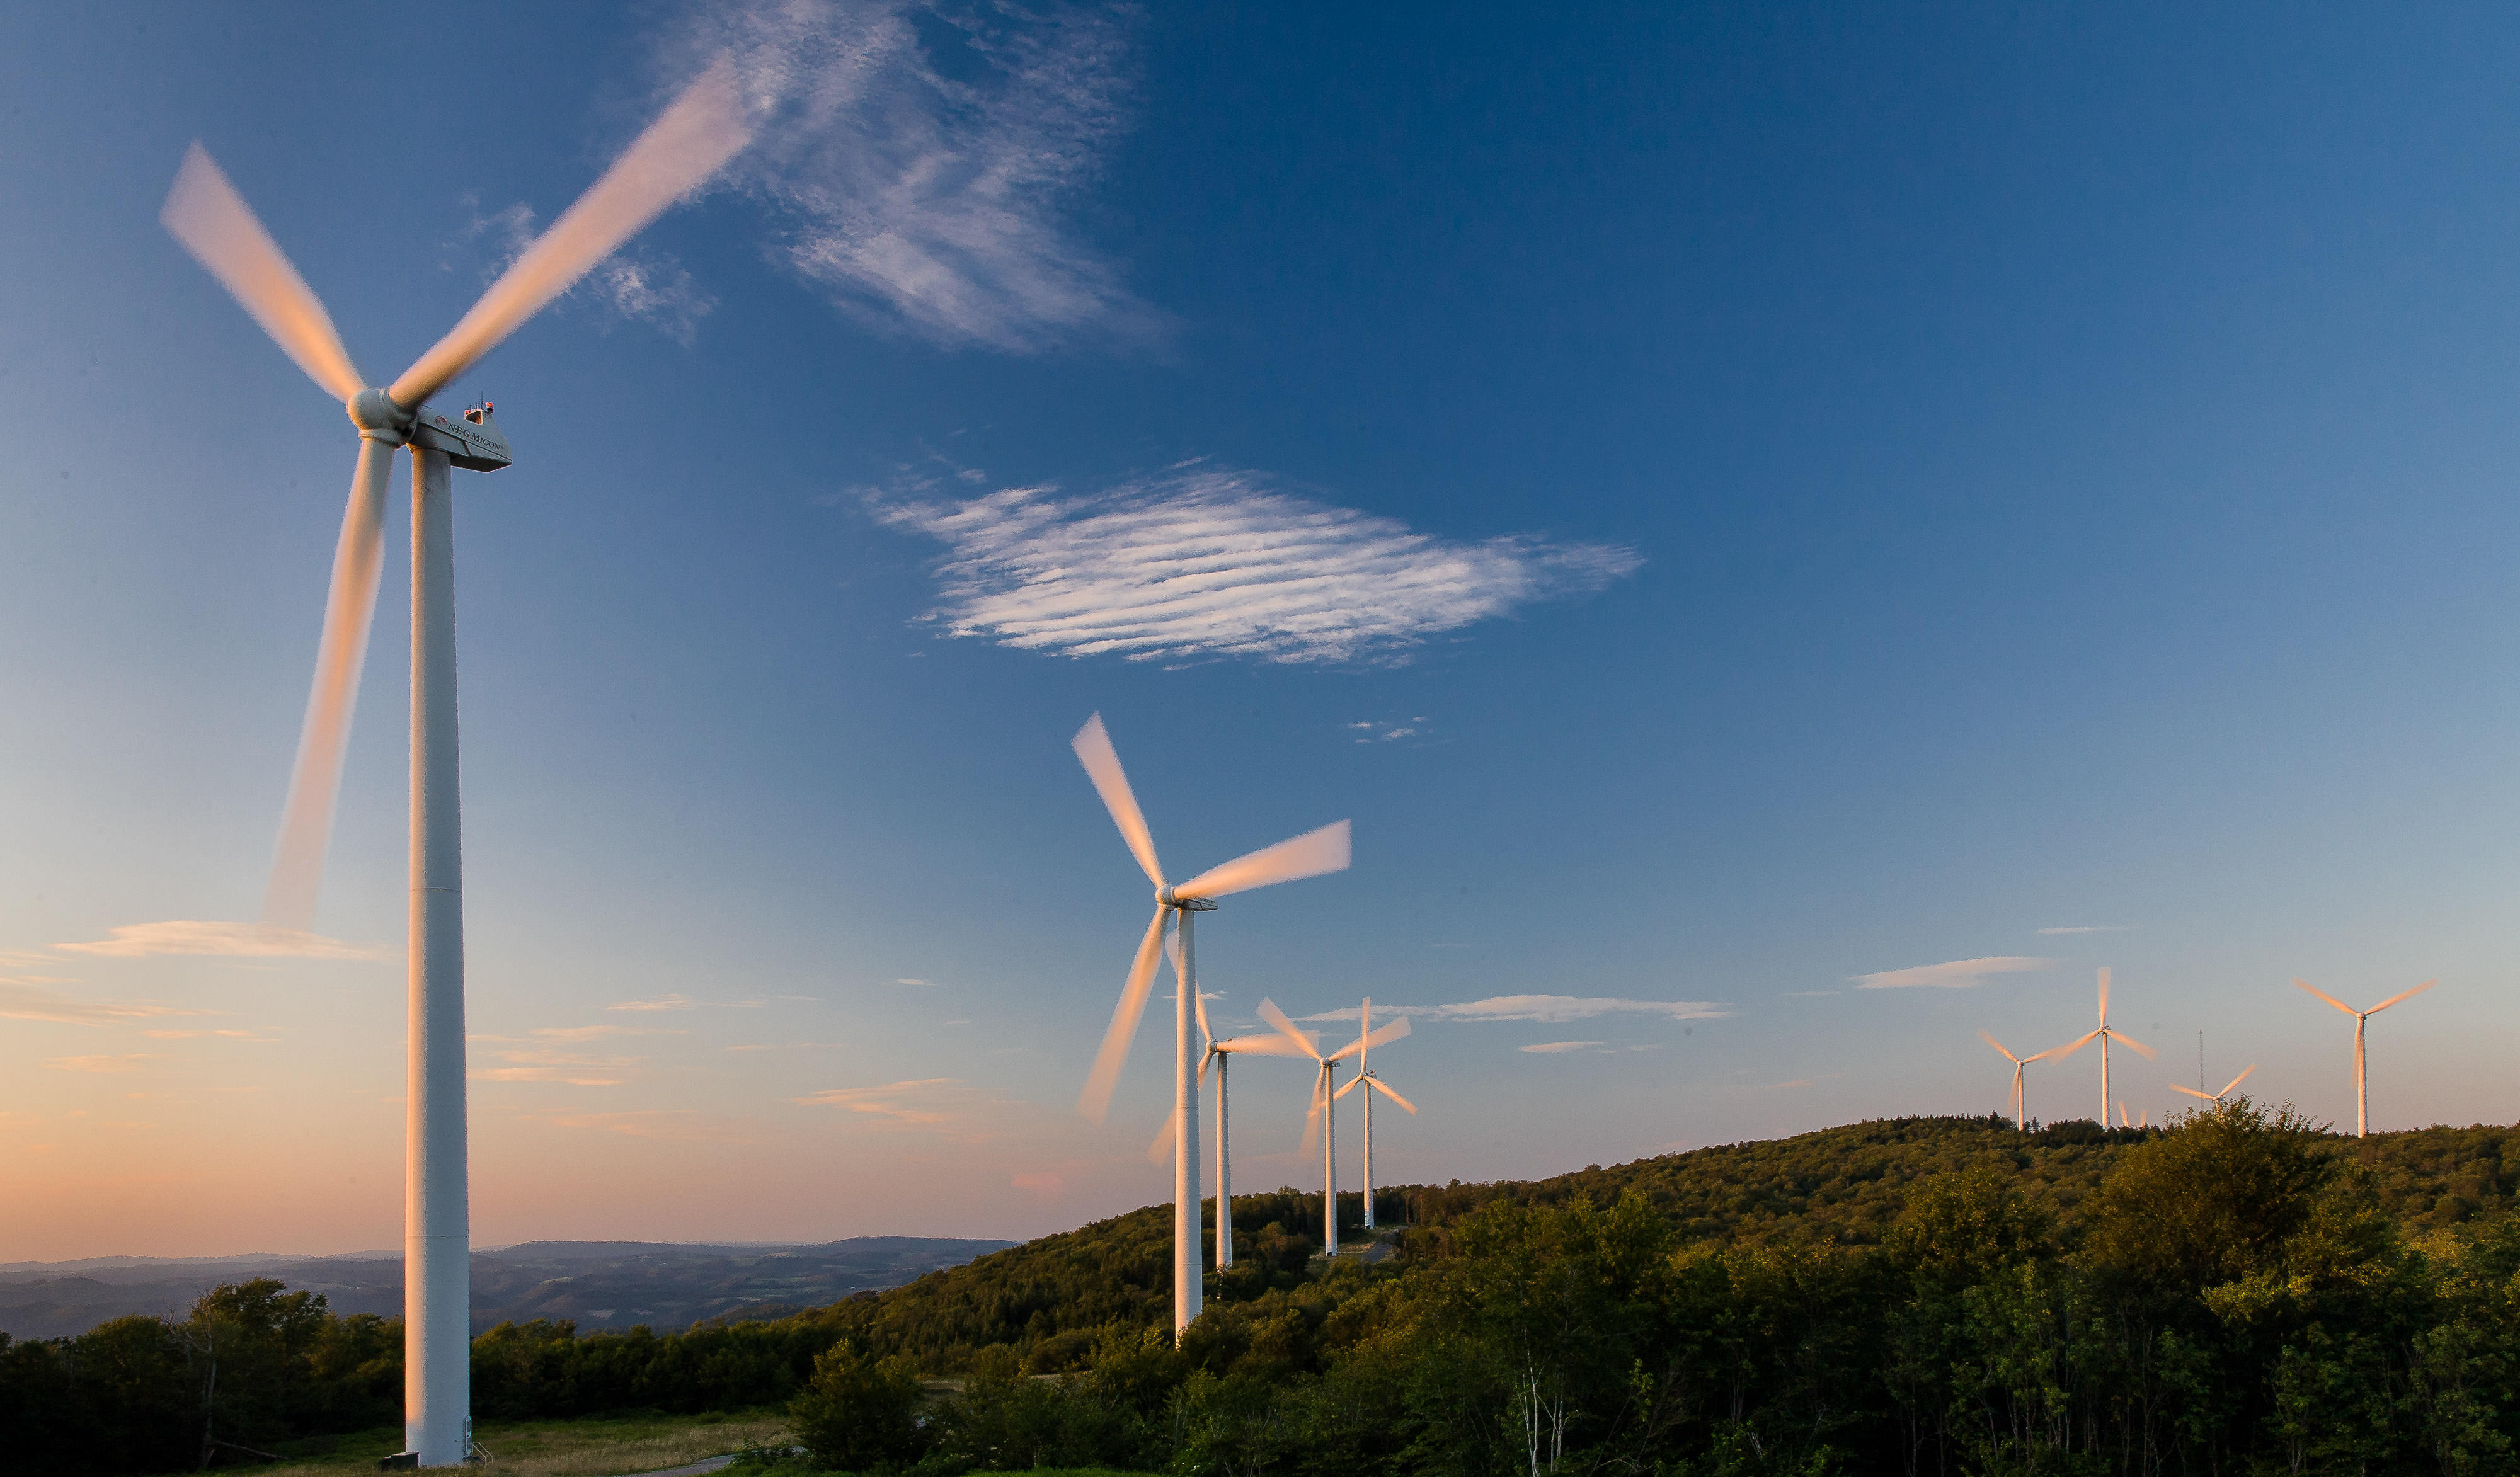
[471, 441]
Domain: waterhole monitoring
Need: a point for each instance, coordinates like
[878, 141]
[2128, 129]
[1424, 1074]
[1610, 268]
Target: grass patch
[607, 1447]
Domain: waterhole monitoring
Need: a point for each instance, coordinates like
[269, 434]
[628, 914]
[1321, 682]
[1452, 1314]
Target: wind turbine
[1309, 855]
[1265, 1043]
[2020, 1092]
[2103, 1036]
[2217, 1098]
[2362, 1018]
[1367, 1039]
[1321, 1111]
[701, 131]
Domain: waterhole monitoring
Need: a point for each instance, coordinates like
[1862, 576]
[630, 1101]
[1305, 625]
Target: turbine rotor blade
[1392, 1031]
[2237, 1081]
[2066, 1051]
[702, 130]
[1162, 1149]
[1206, 1037]
[2402, 995]
[1312, 1119]
[2132, 1044]
[2001, 1047]
[205, 212]
[315, 781]
[1348, 1087]
[2324, 995]
[2104, 999]
[1381, 1086]
[1309, 855]
[1096, 1100]
[2192, 1093]
[1267, 1044]
[1270, 1012]
[1102, 764]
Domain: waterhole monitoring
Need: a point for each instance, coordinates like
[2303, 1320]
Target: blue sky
[1732, 506]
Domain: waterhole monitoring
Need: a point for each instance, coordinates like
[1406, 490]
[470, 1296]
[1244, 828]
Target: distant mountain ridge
[595, 1284]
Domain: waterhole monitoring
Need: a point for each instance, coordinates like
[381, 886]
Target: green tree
[860, 1413]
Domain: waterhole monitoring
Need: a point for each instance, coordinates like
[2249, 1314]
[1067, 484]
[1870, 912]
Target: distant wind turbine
[2020, 1094]
[2217, 1098]
[2362, 1018]
[1265, 1043]
[2105, 1036]
[1323, 1110]
[1309, 855]
[1366, 1039]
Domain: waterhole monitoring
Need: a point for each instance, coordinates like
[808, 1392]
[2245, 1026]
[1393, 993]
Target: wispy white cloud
[943, 1105]
[922, 157]
[592, 1033]
[35, 999]
[1541, 1008]
[127, 1061]
[1958, 974]
[787, 1046]
[2087, 928]
[672, 1124]
[567, 1068]
[1553, 1047]
[1212, 561]
[236, 940]
[1384, 731]
[660, 1002]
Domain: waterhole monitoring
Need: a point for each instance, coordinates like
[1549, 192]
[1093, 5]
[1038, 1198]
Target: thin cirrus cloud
[1957, 974]
[945, 1105]
[127, 1061]
[922, 173]
[668, 1124]
[566, 1068]
[236, 940]
[1551, 1009]
[1553, 1047]
[1206, 562]
[35, 999]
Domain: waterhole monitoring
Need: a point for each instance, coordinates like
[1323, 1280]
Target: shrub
[860, 1413]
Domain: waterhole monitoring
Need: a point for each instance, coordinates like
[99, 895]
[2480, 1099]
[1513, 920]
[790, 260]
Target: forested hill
[1050, 1299]
[2242, 1292]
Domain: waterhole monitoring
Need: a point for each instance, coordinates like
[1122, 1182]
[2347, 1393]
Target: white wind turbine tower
[1309, 855]
[1365, 1041]
[1265, 1043]
[2103, 1036]
[2020, 1092]
[1323, 1110]
[2362, 1019]
[2217, 1098]
[682, 148]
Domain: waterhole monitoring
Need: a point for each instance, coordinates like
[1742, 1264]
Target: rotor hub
[373, 413]
[1164, 895]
